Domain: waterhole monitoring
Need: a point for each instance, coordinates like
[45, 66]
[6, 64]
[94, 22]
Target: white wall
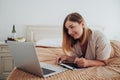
[103, 13]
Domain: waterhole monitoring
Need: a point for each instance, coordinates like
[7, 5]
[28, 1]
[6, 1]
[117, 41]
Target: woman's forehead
[69, 23]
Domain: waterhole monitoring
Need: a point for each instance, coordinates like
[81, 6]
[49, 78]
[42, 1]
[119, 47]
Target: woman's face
[74, 29]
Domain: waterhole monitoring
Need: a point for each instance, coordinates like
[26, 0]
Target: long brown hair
[68, 41]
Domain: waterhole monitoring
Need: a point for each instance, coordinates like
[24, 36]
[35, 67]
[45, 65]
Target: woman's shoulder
[97, 33]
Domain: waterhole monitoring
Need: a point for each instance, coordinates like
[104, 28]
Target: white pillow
[55, 42]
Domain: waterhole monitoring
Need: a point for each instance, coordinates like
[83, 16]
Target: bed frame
[37, 32]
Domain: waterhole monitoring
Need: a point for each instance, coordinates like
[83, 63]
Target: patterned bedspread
[48, 55]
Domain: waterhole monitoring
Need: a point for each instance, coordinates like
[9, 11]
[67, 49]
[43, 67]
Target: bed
[47, 53]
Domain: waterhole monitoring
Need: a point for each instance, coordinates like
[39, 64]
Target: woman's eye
[72, 27]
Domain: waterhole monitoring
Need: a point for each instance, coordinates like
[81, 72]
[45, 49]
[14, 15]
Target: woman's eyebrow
[70, 25]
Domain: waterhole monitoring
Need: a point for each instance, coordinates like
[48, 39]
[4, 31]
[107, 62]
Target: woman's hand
[66, 59]
[81, 62]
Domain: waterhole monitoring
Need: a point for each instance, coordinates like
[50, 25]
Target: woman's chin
[76, 37]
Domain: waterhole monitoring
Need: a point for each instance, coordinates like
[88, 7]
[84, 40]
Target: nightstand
[6, 61]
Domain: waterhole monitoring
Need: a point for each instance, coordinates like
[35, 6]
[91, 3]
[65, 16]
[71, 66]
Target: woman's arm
[86, 63]
[96, 62]
[82, 62]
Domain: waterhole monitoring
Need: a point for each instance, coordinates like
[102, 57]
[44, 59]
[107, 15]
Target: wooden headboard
[37, 32]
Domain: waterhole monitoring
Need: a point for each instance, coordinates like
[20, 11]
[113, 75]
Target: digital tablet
[69, 65]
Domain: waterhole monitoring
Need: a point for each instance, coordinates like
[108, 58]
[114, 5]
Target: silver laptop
[26, 59]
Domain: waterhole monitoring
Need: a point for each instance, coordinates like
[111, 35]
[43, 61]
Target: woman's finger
[58, 59]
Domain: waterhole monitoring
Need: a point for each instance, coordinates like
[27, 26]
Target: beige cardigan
[98, 47]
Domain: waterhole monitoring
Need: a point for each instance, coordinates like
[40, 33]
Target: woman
[82, 45]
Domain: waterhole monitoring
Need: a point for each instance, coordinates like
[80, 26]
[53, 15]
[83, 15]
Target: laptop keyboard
[47, 71]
